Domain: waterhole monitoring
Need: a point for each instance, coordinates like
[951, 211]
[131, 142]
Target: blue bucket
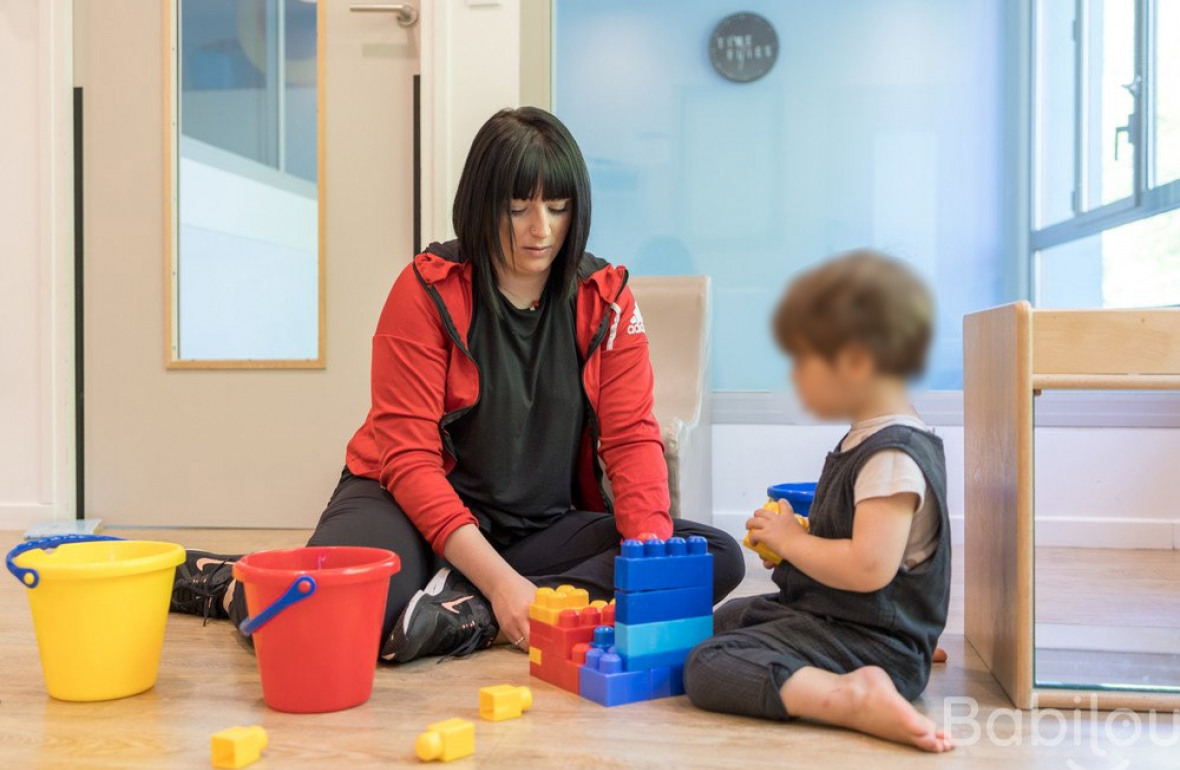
[800, 495]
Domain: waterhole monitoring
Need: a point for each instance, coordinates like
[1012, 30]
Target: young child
[849, 638]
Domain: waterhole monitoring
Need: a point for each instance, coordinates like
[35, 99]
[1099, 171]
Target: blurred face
[833, 389]
[532, 233]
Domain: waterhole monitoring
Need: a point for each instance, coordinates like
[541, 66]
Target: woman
[506, 378]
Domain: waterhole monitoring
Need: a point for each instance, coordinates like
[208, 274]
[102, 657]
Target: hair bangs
[545, 171]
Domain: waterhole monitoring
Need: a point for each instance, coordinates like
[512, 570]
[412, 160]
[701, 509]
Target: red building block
[556, 652]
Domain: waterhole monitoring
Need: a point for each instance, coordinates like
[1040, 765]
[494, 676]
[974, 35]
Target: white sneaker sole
[433, 588]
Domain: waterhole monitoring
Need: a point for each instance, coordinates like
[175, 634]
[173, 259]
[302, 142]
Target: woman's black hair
[518, 154]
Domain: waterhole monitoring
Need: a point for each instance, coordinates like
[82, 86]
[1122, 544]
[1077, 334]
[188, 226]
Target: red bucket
[318, 633]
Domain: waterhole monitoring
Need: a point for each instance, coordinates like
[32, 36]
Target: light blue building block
[665, 636]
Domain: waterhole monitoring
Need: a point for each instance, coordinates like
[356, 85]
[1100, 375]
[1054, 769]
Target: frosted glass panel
[880, 124]
[246, 269]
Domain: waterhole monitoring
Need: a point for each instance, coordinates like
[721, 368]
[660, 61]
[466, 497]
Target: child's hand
[775, 530]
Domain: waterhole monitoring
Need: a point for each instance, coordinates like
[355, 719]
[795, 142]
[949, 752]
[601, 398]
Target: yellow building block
[504, 701]
[550, 602]
[447, 740]
[535, 655]
[237, 746]
[761, 549]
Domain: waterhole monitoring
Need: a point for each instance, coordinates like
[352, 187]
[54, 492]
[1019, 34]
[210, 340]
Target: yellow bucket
[99, 608]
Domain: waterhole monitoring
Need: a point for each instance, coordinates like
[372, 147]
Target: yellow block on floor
[504, 701]
[237, 746]
[447, 740]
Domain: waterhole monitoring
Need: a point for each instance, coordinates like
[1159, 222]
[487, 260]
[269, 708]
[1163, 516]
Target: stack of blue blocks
[664, 608]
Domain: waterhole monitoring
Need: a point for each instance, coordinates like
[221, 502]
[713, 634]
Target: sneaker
[448, 617]
[200, 584]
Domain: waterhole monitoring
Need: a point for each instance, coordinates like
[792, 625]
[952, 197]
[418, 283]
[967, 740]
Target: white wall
[35, 317]
[1095, 487]
[470, 69]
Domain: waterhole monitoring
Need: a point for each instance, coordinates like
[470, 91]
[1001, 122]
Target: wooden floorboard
[208, 681]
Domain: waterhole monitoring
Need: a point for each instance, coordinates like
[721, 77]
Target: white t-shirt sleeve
[887, 473]
[891, 472]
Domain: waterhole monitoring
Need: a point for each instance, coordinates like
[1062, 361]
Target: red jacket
[423, 378]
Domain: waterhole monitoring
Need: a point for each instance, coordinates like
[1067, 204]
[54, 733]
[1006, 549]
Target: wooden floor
[208, 682]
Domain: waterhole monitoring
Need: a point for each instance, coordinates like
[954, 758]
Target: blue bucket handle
[29, 576]
[300, 589]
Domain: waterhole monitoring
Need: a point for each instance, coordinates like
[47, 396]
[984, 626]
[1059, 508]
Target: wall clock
[743, 47]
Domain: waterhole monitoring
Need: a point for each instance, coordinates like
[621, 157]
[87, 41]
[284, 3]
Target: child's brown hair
[861, 297]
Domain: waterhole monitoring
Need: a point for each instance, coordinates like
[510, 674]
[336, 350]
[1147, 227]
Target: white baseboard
[21, 516]
[1052, 531]
[1079, 532]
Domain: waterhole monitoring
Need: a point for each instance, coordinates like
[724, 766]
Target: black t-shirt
[516, 451]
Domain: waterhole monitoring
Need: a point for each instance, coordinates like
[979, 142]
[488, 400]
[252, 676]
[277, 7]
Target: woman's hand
[510, 602]
[510, 593]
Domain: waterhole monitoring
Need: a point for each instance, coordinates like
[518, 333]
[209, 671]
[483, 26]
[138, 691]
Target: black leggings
[578, 549]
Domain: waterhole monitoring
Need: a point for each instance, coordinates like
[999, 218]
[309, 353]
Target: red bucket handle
[303, 587]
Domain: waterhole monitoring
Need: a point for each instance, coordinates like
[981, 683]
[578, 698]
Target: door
[239, 446]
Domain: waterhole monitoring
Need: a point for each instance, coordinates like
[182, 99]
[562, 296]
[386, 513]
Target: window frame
[1146, 199]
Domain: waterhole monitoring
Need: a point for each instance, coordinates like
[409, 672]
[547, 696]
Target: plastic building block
[447, 740]
[636, 607]
[504, 701]
[657, 565]
[667, 681]
[650, 638]
[550, 602]
[552, 647]
[604, 681]
[237, 746]
[604, 636]
[760, 548]
[656, 660]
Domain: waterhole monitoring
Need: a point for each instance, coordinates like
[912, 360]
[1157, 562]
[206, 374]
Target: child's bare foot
[939, 655]
[863, 700]
[880, 710]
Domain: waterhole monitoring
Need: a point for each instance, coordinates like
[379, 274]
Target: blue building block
[656, 565]
[656, 660]
[666, 636]
[667, 681]
[604, 637]
[603, 680]
[635, 607]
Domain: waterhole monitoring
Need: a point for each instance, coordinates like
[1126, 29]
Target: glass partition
[874, 122]
[1107, 578]
[245, 261]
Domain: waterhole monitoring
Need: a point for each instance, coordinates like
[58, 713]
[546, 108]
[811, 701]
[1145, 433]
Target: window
[245, 265]
[881, 123]
[1106, 153]
[1166, 95]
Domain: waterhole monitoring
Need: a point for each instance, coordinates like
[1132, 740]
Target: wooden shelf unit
[1010, 353]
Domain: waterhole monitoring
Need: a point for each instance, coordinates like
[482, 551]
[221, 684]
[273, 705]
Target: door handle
[407, 15]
